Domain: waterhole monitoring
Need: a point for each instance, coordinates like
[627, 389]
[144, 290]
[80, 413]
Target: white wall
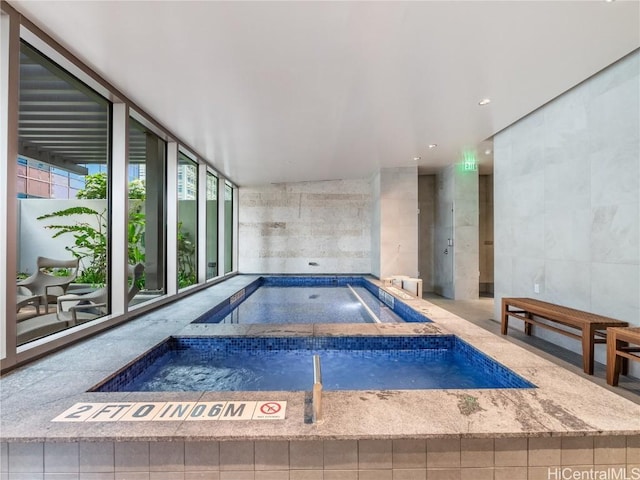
[486, 233]
[567, 200]
[443, 253]
[456, 272]
[375, 225]
[284, 227]
[426, 229]
[399, 221]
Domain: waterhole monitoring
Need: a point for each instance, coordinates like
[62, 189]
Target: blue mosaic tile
[423, 347]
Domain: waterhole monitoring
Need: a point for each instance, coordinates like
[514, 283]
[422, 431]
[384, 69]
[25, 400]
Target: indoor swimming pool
[324, 299]
[286, 364]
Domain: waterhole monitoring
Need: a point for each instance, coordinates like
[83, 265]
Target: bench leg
[505, 319]
[587, 348]
[527, 325]
[614, 362]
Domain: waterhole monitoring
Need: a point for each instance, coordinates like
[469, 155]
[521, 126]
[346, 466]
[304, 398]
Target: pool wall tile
[272, 455]
[443, 453]
[96, 456]
[542, 473]
[375, 474]
[306, 455]
[26, 457]
[237, 475]
[340, 475]
[236, 456]
[166, 456]
[476, 473]
[306, 475]
[445, 458]
[340, 455]
[97, 476]
[510, 452]
[168, 475]
[4, 457]
[576, 451]
[205, 475]
[202, 456]
[510, 473]
[409, 454]
[131, 457]
[544, 451]
[375, 454]
[610, 450]
[633, 448]
[444, 474]
[61, 457]
[272, 475]
[476, 452]
[409, 474]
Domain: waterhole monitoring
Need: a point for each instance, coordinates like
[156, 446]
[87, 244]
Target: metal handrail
[366, 307]
[316, 395]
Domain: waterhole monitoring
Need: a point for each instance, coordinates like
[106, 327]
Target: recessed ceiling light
[609, 1]
[433, 145]
[415, 159]
[484, 101]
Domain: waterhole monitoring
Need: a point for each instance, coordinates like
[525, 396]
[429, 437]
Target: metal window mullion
[172, 218]
[119, 209]
[202, 222]
[9, 112]
[221, 225]
[234, 237]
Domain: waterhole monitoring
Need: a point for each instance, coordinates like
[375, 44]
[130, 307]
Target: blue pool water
[327, 299]
[285, 364]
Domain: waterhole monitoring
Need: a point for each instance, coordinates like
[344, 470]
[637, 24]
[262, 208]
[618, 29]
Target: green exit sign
[469, 163]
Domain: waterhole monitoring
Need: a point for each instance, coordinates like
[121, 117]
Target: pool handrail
[366, 307]
[316, 395]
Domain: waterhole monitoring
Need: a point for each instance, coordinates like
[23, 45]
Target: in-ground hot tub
[285, 364]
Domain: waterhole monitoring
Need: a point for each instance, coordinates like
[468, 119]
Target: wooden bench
[591, 327]
[618, 350]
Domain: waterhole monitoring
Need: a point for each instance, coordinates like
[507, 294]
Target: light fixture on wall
[484, 101]
[415, 159]
[433, 145]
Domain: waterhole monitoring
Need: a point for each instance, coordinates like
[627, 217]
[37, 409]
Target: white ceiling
[303, 91]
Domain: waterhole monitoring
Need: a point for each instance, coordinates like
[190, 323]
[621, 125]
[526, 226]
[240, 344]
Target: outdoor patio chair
[93, 305]
[43, 287]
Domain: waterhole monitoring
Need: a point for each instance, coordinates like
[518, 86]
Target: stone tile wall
[307, 227]
[407, 459]
[567, 201]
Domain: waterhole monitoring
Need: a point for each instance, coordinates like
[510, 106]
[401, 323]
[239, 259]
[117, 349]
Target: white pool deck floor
[565, 402]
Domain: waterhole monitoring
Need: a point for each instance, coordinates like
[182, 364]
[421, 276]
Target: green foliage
[90, 241]
[90, 238]
[95, 187]
[186, 258]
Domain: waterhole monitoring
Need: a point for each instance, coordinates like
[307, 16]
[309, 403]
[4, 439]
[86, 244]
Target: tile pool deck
[565, 413]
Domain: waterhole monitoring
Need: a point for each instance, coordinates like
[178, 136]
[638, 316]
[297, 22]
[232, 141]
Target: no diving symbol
[270, 408]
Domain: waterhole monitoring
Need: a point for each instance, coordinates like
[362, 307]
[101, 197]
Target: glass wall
[212, 225]
[62, 207]
[66, 156]
[228, 228]
[187, 221]
[147, 213]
